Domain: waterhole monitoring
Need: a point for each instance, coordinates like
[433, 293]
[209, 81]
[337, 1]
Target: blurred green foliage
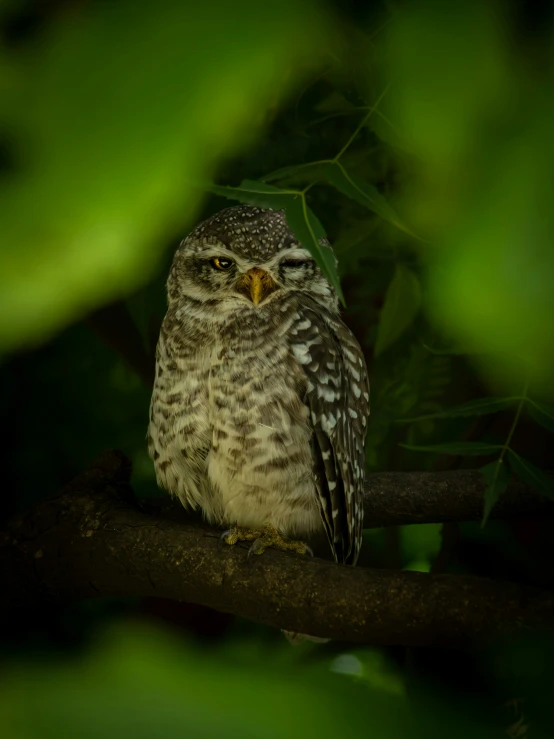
[418, 139]
[144, 683]
[111, 119]
[476, 114]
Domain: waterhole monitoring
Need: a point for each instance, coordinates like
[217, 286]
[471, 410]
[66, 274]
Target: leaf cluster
[496, 473]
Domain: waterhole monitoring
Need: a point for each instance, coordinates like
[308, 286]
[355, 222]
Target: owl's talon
[223, 538]
[271, 537]
[258, 547]
[237, 533]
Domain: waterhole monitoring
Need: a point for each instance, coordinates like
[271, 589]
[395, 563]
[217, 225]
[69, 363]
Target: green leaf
[254, 192]
[310, 171]
[541, 413]
[497, 478]
[479, 407]
[108, 147]
[364, 194]
[402, 303]
[309, 231]
[301, 219]
[531, 474]
[461, 448]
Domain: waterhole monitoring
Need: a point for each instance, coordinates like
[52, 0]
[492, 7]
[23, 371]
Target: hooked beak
[256, 284]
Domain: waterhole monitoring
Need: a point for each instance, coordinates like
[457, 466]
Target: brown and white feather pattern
[258, 414]
[338, 398]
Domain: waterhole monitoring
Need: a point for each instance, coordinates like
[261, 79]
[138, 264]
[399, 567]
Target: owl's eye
[221, 263]
[295, 263]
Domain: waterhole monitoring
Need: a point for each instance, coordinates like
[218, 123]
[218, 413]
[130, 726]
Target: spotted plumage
[260, 404]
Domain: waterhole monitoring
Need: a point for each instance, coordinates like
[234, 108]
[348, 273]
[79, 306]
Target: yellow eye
[221, 263]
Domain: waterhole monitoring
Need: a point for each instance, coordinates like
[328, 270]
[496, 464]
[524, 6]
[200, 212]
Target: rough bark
[395, 498]
[94, 539]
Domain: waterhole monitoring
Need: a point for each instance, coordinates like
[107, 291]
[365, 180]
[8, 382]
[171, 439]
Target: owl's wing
[338, 398]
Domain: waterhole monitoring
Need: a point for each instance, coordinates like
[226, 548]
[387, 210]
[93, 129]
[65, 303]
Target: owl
[261, 398]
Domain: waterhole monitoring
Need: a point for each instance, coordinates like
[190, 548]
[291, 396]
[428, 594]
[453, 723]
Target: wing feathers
[338, 398]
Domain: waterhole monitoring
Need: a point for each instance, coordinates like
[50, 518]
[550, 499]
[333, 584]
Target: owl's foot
[238, 533]
[269, 536]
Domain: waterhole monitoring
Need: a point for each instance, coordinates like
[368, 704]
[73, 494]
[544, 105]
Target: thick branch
[92, 539]
[394, 498]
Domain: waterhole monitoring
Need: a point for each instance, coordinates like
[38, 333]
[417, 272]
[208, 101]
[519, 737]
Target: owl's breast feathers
[261, 419]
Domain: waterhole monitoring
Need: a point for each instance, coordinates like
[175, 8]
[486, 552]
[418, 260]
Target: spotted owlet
[261, 399]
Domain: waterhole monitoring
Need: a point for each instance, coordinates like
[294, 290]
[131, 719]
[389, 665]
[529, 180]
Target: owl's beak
[256, 284]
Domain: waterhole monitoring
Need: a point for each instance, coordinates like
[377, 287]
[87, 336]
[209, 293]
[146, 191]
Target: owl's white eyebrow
[216, 251]
[295, 253]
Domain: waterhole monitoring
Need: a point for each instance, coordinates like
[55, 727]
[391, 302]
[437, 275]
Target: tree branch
[398, 498]
[93, 539]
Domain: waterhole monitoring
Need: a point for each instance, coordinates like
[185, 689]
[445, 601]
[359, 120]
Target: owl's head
[246, 255]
